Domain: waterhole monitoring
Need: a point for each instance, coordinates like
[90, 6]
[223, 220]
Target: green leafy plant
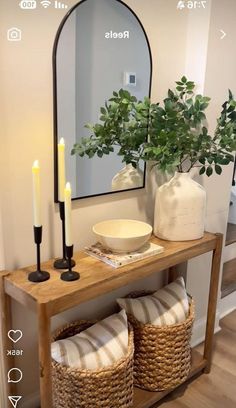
[123, 123]
[179, 138]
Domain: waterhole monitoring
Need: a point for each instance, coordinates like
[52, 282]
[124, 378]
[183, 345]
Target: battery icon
[28, 4]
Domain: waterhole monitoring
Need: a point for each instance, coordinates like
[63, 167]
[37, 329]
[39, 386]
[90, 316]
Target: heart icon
[15, 335]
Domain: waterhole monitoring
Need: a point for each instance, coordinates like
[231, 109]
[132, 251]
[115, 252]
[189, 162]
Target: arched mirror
[100, 47]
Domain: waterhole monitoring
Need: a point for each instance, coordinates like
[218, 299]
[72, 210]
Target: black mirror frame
[55, 113]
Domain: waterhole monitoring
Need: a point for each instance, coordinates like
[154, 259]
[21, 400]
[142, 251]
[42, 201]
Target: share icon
[14, 399]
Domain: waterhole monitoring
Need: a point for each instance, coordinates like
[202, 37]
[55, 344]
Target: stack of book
[117, 259]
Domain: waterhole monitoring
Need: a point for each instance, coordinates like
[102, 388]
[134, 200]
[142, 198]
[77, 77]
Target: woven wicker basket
[109, 387]
[162, 358]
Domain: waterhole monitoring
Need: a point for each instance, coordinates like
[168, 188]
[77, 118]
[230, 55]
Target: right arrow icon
[223, 34]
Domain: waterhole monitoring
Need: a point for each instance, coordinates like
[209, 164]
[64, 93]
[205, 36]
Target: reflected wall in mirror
[100, 47]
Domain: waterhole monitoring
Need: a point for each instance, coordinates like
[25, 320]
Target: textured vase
[127, 178]
[180, 209]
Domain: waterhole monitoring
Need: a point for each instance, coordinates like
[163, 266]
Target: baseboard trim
[199, 329]
[227, 304]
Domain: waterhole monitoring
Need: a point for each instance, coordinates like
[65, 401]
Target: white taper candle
[61, 170]
[68, 221]
[36, 194]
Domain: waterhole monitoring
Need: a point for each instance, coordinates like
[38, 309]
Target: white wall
[1, 243]
[197, 44]
[27, 133]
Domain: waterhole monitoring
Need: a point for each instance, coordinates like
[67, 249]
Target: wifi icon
[45, 3]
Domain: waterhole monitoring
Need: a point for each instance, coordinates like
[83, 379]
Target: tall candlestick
[61, 170]
[38, 275]
[68, 224]
[36, 194]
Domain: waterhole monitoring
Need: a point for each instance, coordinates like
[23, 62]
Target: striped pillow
[167, 306]
[99, 346]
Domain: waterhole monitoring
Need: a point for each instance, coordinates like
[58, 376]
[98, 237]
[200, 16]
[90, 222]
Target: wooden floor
[217, 389]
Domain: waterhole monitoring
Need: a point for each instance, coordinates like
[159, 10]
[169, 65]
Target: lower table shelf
[146, 399]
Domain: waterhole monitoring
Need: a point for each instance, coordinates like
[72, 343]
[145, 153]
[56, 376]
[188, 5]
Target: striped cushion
[98, 346]
[167, 306]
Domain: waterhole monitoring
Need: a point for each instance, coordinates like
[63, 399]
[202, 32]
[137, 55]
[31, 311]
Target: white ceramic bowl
[122, 235]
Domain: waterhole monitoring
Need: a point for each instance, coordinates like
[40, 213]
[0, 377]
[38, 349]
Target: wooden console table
[55, 296]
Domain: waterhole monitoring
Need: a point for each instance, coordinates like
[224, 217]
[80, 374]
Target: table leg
[5, 326]
[45, 357]
[176, 271]
[173, 274]
[212, 302]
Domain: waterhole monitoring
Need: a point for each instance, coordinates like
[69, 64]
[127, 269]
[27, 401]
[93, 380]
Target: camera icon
[14, 34]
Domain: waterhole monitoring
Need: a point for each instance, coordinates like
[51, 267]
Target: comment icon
[14, 375]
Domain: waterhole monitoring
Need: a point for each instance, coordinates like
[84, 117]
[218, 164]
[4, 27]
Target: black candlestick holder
[63, 263]
[38, 275]
[69, 275]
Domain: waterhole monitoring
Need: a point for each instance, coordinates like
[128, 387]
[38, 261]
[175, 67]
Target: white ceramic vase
[180, 209]
[127, 178]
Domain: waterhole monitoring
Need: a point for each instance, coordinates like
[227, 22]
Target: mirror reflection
[100, 48]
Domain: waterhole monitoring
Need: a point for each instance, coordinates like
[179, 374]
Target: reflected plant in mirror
[123, 127]
[124, 123]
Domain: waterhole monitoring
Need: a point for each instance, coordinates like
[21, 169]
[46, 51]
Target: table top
[96, 277]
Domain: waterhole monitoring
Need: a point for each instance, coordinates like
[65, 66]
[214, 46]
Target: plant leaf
[218, 169]
[209, 171]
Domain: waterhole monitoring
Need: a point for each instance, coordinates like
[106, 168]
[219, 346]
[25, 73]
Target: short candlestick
[69, 275]
[63, 263]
